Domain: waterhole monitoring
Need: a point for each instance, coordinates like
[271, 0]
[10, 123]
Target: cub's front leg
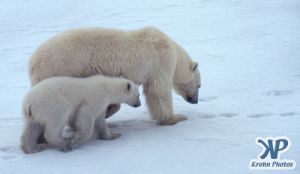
[103, 131]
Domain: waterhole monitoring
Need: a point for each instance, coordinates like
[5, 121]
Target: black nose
[192, 100]
[137, 104]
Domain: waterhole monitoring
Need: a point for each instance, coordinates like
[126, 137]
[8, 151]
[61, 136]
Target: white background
[249, 57]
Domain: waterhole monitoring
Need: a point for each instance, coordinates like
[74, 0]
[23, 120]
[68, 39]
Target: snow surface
[249, 59]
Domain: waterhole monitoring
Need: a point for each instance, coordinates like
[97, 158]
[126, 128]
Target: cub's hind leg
[30, 137]
[83, 124]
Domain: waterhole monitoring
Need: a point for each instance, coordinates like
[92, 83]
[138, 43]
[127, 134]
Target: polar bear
[66, 102]
[145, 56]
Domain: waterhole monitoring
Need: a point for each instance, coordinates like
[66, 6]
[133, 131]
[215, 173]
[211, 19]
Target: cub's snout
[137, 103]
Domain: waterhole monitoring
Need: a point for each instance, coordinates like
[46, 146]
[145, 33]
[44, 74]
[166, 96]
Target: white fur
[146, 56]
[60, 102]
[68, 132]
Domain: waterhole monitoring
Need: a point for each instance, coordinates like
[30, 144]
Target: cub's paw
[37, 148]
[66, 149]
[113, 136]
[173, 120]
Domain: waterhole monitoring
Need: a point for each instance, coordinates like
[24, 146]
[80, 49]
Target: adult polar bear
[145, 56]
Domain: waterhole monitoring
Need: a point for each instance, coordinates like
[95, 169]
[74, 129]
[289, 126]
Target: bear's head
[132, 94]
[188, 88]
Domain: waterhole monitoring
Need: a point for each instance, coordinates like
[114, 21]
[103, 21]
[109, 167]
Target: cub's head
[132, 94]
[188, 88]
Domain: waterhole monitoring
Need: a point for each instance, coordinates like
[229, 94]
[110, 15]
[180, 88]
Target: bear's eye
[195, 66]
[198, 86]
[128, 86]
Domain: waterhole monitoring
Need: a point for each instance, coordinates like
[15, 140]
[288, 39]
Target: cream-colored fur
[146, 56]
[58, 102]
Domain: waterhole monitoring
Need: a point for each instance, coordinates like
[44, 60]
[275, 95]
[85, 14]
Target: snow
[249, 58]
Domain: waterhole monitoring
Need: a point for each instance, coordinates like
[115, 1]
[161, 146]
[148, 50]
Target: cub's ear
[194, 66]
[128, 86]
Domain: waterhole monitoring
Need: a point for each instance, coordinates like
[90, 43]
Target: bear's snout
[192, 99]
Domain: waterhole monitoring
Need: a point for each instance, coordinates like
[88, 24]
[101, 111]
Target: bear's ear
[194, 66]
[128, 86]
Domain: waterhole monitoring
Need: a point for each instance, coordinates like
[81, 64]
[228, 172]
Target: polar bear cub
[61, 104]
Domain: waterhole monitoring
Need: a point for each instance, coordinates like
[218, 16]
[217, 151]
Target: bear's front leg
[160, 105]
